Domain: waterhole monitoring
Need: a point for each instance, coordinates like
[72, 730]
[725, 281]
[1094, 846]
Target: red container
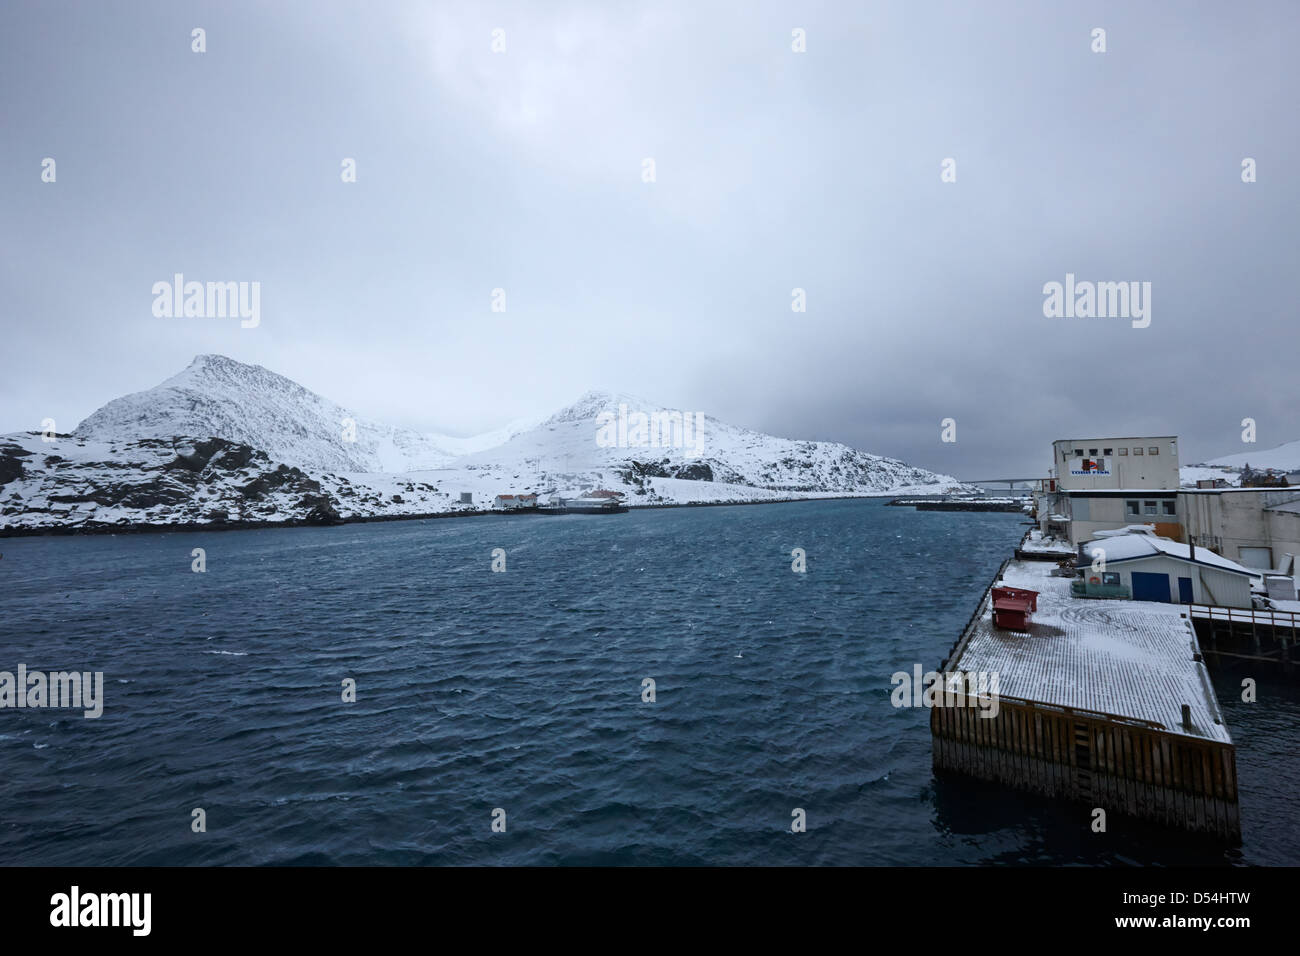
[1013, 607]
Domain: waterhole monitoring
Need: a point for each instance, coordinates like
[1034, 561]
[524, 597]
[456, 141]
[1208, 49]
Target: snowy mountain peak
[661, 456]
[590, 404]
[217, 396]
[214, 444]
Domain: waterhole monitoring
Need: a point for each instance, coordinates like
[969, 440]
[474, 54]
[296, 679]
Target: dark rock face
[697, 471]
[210, 481]
[213, 452]
[637, 471]
[11, 462]
[320, 510]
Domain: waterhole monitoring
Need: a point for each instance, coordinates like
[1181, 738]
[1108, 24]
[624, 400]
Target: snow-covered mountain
[224, 442]
[219, 397]
[1282, 458]
[641, 443]
[72, 483]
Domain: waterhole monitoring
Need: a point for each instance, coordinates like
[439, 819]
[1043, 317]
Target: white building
[1095, 464]
[1100, 484]
[514, 502]
[1157, 569]
[1258, 527]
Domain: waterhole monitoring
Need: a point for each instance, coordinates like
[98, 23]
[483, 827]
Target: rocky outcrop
[72, 482]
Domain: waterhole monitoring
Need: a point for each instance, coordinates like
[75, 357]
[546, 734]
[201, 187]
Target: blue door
[1185, 590]
[1150, 587]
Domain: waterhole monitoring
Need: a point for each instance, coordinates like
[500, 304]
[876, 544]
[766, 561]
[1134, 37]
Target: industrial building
[1097, 464]
[1258, 527]
[1101, 484]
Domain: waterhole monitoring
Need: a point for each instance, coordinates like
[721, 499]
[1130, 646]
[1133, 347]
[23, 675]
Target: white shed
[1157, 569]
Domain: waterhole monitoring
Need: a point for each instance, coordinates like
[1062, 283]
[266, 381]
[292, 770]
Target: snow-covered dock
[1035, 547]
[1107, 702]
[961, 503]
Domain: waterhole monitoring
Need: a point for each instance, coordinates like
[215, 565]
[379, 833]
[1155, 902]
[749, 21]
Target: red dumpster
[1012, 607]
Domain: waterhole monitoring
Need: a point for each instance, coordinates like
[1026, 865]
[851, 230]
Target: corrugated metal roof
[1131, 659]
[1128, 547]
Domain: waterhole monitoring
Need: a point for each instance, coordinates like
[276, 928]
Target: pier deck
[1106, 702]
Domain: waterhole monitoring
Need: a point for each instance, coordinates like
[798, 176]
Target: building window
[1131, 507]
[1258, 558]
[1123, 452]
[1137, 451]
[1168, 507]
[1153, 450]
[1108, 452]
[1110, 579]
[1078, 453]
[1093, 452]
[1148, 507]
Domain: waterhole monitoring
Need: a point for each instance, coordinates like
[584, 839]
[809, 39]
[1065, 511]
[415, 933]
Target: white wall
[1228, 521]
[1209, 585]
[1126, 471]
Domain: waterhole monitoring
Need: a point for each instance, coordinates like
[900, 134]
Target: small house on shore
[514, 502]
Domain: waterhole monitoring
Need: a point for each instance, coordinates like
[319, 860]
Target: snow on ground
[1189, 475]
[275, 451]
[1283, 458]
[572, 441]
[1037, 542]
[76, 482]
[82, 483]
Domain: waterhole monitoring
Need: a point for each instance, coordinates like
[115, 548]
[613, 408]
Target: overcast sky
[775, 170]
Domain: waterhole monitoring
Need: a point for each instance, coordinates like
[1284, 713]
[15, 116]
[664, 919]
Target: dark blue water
[522, 690]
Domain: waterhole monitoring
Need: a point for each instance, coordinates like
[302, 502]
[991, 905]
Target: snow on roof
[1130, 547]
[1128, 658]
[1153, 492]
[1127, 529]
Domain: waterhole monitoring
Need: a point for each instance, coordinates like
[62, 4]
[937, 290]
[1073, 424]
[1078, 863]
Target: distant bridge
[1009, 482]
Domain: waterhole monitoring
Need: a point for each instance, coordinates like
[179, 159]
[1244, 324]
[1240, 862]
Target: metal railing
[1241, 615]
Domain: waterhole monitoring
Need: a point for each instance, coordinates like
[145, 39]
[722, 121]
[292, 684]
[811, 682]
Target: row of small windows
[1109, 452]
[1139, 507]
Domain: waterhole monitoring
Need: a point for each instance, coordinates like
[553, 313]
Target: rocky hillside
[577, 439]
[219, 397]
[224, 443]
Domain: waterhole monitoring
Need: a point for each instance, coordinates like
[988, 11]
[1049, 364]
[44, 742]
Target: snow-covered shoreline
[225, 444]
[19, 531]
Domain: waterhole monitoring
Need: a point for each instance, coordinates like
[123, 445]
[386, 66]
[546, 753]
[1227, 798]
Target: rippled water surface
[522, 690]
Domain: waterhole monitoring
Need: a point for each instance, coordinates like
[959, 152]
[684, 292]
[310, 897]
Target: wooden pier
[1104, 703]
[1229, 634]
[962, 504]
